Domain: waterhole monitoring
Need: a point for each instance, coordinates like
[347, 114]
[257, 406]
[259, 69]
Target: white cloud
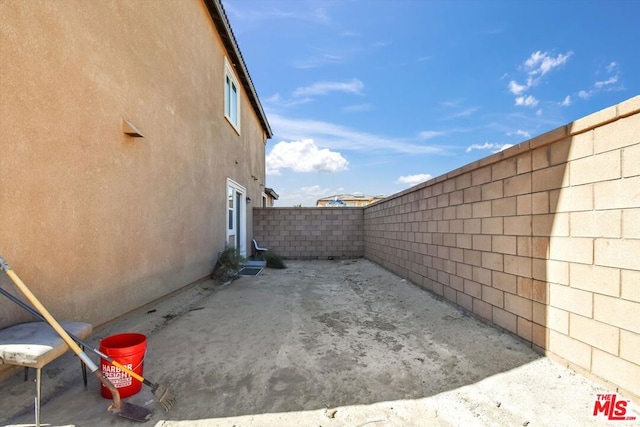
[319, 60]
[277, 100]
[464, 113]
[584, 94]
[303, 156]
[536, 66]
[315, 191]
[321, 16]
[357, 108]
[451, 104]
[521, 133]
[428, 134]
[412, 180]
[354, 86]
[491, 146]
[303, 95]
[383, 43]
[256, 14]
[566, 101]
[526, 101]
[609, 81]
[337, 137]
[516, 88]
[540, 63]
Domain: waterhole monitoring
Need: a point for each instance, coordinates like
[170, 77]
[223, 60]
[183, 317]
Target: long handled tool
[160, 391]
[118, 407]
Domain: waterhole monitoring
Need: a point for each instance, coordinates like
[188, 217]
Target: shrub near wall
[541, 239]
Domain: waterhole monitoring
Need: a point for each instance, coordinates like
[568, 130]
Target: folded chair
[34, 345]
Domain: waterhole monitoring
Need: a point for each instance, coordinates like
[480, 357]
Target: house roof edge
[219, 17]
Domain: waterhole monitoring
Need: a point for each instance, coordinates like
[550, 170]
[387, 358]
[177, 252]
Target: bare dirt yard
[321, 343]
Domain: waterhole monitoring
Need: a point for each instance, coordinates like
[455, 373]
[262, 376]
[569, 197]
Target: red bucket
[128, 350]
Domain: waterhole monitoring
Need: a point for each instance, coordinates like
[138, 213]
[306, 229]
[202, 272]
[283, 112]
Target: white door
[236, 216]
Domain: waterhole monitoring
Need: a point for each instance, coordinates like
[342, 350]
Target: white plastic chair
[258, 251]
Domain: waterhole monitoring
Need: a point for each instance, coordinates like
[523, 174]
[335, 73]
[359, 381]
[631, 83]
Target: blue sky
[375, 96]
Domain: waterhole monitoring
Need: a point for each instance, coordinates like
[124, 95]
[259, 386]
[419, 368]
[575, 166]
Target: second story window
[231, 97]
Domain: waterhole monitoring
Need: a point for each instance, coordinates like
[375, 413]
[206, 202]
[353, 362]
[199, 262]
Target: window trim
[231, 81]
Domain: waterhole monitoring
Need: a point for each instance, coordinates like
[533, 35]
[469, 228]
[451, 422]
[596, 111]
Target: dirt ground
[322, 343]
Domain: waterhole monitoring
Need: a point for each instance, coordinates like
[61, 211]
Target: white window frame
[231, 96]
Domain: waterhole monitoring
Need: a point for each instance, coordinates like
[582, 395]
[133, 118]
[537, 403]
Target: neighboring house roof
[224, 29]
[351, 197]
[271, 193]
[357, 199]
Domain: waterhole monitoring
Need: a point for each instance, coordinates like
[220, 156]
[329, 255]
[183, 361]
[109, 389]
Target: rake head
[166, 399]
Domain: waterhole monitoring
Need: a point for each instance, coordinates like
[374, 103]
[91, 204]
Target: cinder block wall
[310, 233]
[542, 239]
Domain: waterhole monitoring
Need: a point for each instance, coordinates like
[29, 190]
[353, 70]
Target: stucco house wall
[95, 222]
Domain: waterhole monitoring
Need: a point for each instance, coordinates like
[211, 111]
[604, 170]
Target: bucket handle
[141, 360]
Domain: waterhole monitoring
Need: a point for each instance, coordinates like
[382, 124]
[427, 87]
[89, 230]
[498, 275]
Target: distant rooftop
[272, 193]
[354, 199]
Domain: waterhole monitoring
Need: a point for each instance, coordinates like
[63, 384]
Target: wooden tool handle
[45, 313]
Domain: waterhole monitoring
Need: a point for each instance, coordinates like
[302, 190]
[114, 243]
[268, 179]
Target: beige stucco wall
[95, 222]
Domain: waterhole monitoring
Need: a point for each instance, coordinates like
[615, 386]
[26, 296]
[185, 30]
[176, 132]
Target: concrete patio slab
[322, 343]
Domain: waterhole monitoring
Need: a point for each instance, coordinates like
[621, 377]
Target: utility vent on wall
[131, 129]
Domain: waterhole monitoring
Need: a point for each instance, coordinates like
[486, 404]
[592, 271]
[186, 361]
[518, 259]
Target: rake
[119, 407]
[166, 399]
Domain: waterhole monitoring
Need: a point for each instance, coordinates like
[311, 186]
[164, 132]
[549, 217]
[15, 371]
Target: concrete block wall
[310, 233]
[542, 239]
